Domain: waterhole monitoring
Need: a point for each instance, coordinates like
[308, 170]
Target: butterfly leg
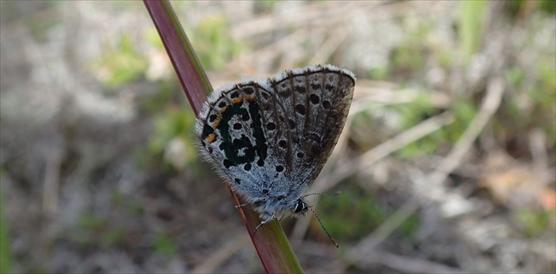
[267, 220]
[241, 205]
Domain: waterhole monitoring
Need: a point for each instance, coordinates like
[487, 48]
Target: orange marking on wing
[237, 101]
[217, 122]
[211, 138]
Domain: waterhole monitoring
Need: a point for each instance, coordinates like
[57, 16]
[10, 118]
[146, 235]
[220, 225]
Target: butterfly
[270, 139]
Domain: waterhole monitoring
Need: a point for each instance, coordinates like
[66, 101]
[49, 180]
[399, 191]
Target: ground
[446, 163]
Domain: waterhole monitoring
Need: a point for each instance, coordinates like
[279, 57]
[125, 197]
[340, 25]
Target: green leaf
[165, 245]
[121, 65]
[471, 17]
[5, 254]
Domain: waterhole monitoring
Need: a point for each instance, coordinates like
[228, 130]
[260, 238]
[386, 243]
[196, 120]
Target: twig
[407, 264]
[371, 157]
[312, 15]
[368, 244]
[537, 145]
[210, 264]
[388, 93]
[53, 159]
[265, 56]
[490, 104]
[454, 158]
[329, 46]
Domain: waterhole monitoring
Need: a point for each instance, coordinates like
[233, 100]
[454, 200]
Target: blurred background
[446, 164]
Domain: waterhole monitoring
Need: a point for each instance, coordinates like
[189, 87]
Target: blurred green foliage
[532, 102]
[5, 251]
[412, 114]
[164, 245]
[410, 55]
[213, 43]
[164, 97]
[94, 230]
[379, 73]
[355, 212]
[534, 222]
[122, 64]
[262, 6]
[415, 51]
[130, 205]
[112, 237]
[172, 140]
[407, 58]
[543, 94]
[415, 112]
[153, 38]
[91, 222]
[515, 6]
[40, 26]
[548, 6]
[173, 126]
[470, 23]
[171, 144]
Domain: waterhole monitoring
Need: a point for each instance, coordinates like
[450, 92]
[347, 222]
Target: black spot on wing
[314, 99]
[299, 108]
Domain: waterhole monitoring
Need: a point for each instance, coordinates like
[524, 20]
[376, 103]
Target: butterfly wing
[233, 131]
[279, 130]
[317, 101]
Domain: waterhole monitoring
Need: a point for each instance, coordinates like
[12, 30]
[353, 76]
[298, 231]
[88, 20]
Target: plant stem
[270, 241]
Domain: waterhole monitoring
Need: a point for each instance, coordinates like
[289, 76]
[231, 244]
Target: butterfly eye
[300, 206]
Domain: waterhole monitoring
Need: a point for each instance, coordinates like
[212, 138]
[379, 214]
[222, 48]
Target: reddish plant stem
[270, 241]
[190, 72]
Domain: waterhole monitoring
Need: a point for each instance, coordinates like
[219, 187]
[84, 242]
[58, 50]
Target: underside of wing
[279, 130]
[316, 100]
[235, 134]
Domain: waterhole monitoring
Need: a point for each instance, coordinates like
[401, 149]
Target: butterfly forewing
[278, 131]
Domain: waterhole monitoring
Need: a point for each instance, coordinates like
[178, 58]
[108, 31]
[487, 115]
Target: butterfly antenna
[311, 194]
[324, 228]
[320, 193]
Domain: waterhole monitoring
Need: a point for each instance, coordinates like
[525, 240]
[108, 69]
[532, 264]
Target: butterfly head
[300, 207]
[278, 206]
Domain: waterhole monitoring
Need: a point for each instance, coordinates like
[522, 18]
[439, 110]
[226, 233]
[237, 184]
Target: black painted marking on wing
[231, 147]
[258, 133]
[206, 131]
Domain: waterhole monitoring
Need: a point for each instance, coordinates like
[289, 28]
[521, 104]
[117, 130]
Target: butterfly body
[270, 139]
